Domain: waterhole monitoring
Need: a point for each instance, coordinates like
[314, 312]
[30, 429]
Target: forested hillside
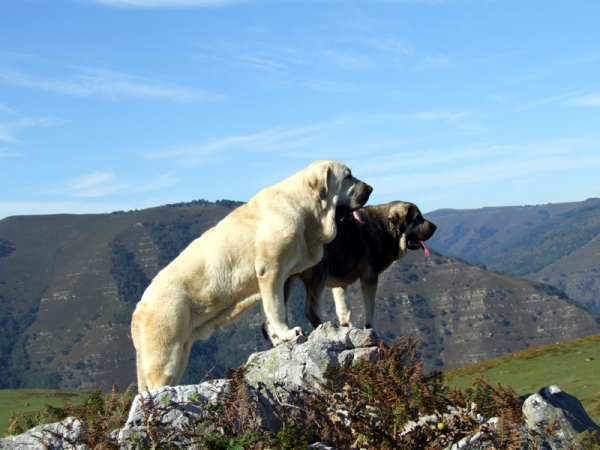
[69, 283]
[556, 243]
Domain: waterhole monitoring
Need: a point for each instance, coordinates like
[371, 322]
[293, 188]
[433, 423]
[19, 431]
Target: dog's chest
[311, 254]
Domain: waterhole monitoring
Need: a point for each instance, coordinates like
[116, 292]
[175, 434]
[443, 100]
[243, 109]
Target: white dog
[247, 256]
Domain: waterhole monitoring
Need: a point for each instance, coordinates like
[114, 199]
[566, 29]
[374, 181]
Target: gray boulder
[302, 364]
[66, 435]
[552, 405]
[270, 376]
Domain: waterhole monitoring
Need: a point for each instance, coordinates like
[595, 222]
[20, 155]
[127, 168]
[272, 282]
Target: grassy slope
[22, 401]
[573, 366]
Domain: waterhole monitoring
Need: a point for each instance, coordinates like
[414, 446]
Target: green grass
[573, 366]
[32, 401]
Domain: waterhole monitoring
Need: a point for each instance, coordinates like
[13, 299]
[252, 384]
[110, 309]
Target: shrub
[363, 405]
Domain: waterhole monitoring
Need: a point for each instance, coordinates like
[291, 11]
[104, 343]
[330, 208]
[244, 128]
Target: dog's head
[410, 226]
[335, 186]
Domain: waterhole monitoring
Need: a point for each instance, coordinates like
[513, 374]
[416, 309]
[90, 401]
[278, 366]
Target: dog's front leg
[342, 306]
[271, 286]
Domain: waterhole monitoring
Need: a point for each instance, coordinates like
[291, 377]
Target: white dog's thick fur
[245, 257]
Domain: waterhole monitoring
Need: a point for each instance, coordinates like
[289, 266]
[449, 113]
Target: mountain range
[558, 244]
[498, 280]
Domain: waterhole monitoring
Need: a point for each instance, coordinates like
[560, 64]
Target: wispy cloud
[437, 60]
[440, 115]
[348, 60]
[4, 152]
[5, 109]
[548, 100]
[397, 46]
[103, 184]
[587, 100]
[9, 130]
[478, 165]
[260, 62]
[330, 86]
[164, 3]
[497, 98]
[107, 83]
[276, 139]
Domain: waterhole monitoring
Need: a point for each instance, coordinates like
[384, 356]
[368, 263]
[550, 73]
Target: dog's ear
[318, 180]
[397, 217]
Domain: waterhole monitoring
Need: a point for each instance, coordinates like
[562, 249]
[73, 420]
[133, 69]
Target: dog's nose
[368, 189]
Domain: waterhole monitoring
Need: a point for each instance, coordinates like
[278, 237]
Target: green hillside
[69, 283]
[68, 286]
[31, 402]
[553, 243]
[573, 366]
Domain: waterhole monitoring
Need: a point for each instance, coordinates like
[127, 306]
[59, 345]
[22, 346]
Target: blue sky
[126, 104]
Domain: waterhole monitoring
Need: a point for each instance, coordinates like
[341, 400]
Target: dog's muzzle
[416, 241]
[360, 197]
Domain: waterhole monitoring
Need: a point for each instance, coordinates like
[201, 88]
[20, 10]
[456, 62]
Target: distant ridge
[556, 243]
[68, 285]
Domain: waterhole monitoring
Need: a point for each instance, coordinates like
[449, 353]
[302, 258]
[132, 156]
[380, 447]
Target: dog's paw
[295, 334]
[292, 334]
[374, 331]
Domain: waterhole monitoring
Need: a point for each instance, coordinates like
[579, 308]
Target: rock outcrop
[565, 412]
[273, 378]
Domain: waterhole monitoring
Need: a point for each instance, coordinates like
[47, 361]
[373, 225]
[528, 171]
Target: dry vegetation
[389, 404]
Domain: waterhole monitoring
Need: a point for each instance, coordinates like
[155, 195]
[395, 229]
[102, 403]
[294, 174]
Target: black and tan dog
[363, 248]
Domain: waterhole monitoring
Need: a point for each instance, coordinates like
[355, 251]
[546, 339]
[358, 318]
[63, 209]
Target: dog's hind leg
[314, 280]
[342, 306]
[160, 343]
[183, 362]
[135, 336]
[368, 288]
[287, 292]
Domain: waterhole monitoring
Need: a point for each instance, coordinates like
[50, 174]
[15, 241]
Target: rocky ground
[275, 384]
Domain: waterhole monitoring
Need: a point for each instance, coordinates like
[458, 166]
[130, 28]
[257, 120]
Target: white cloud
[107, 83]
[259, 62]
[329, 86]
[102, 184]
[587, 100]
[9, 130]
[438, 60]
[548, 100]
[348, 60]
[4, 152]
[398, 46]
[479, 165]
[7, 110]
[275, 139]
[497, 98]
[164, 3]
[440, 115]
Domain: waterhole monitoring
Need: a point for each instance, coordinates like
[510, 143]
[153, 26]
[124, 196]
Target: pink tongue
[425, 249]
[358, 217]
